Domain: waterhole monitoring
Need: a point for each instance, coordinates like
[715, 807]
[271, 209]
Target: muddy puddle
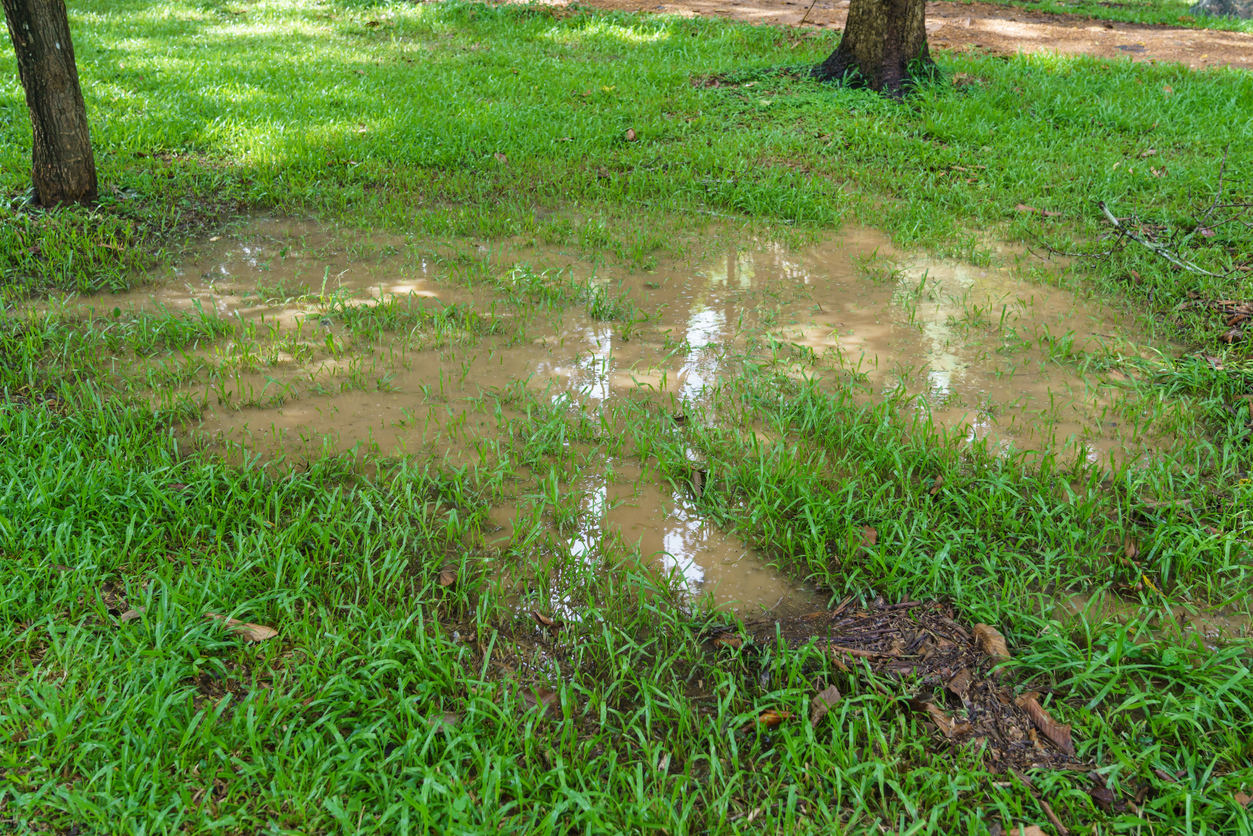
[663, 525]
[977, 351]
[1213, 626]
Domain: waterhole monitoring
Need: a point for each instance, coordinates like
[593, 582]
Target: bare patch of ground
[999, 30]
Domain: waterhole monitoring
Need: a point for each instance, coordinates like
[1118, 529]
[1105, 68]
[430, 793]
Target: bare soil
[1000, 30]
[918, 648]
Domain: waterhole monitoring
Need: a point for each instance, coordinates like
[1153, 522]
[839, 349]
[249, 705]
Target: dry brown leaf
[630, 135]
[543, 699]
[1048, 213]
[132, 614]
[771, 718]
[728, 640]
[250, 632]
[501, 158]
[822, 703]
[446, 719]
[1052, 729]
[699, 478]
[1029, 830]
[943, 722]
[1243, 799]
[991, 642]
[869, 536]
[936, 485]
[960, 682]
[544, 621]
[1103, 797]
[1130, 548]
[447, 577]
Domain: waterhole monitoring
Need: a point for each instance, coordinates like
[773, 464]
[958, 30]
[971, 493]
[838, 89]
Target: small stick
[807, 11]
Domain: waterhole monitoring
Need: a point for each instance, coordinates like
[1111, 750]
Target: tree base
[884, 47]
[893, 78]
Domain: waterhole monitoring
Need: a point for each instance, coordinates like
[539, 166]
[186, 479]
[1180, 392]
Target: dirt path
[995, 29]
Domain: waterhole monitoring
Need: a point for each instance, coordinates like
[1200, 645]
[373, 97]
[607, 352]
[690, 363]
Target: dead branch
[1155, 247]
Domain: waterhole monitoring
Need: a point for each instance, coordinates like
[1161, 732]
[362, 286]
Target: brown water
[1211, 625]
[974, 346]
[665, 528]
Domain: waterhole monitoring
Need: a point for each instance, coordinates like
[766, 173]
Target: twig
[1157, 248]
[1054, 251]
[807, 11]
[1044, 805]
[1219, 196]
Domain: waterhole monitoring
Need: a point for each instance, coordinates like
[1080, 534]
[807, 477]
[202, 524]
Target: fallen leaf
[699, 479]
[445, 719]
[822, 703]
[869, 536]
[936, 485]
[543, 699]
[1232, 336]
[132, 614]
[1022, 207]
[1030, 830]
[501, 158]
[991, 642]
[1103, 797]
[1168, 90]
[728, 640]
[630, 135]
[1148, 153]
[960, 682]
[1164, 775]
[544, 621]
[946, 724]
[1206, 232]
[447, 576]
[564, 139]
[250, 632]
[1243, 799]
[771, 718]
[1130, 548]
[216, 238]
[1052, 729]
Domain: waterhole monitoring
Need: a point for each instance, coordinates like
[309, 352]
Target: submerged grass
[393, 701]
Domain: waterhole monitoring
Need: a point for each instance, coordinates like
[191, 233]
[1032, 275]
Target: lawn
[409, 687]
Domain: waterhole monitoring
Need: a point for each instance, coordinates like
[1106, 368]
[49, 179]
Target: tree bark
[63, 168]
[884, 47]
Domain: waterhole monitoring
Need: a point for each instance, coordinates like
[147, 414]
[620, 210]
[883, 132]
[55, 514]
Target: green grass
[390, 703]
[1151, 12]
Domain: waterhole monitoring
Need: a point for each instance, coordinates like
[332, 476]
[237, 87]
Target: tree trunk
[884, 47]
[1231, 8]
[64, 170]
